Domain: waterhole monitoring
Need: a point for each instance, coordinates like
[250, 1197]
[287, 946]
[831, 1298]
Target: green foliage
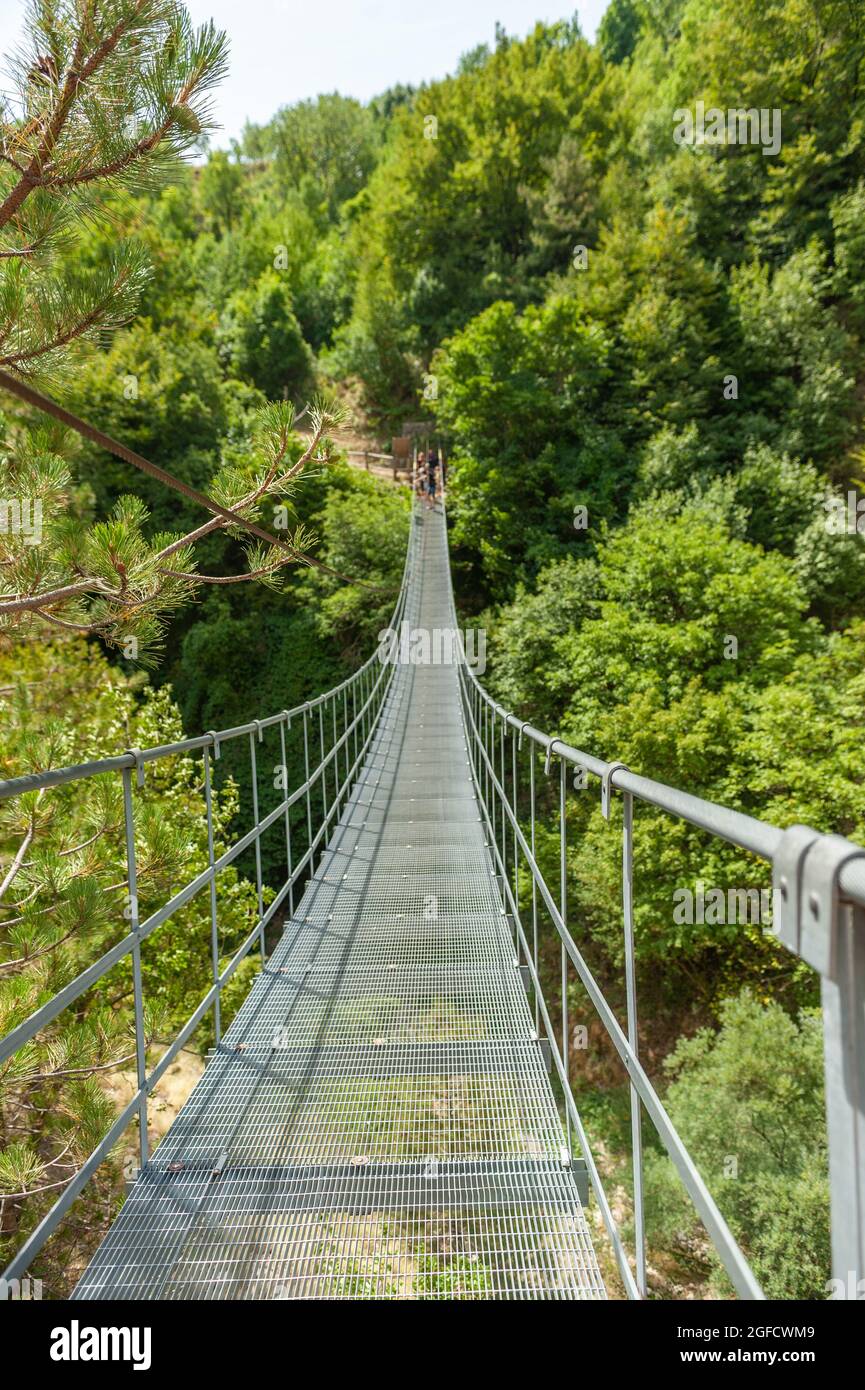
[754, 55]
[65, 903]
[365, 526]
[72, 148]
[619, 30]
[563, 211]
[260, 340]
[250, 649]
[452, 1276]
[444, 226]
[626, 655]
[116, 579]
[159, 388]
[795, 355]
[105, 98]
[221, 184]
[327, 148]
[530, 398]
[748, 1102]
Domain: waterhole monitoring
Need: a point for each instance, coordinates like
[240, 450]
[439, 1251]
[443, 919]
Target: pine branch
[43, 951]
[251, 498]
[92, 68]
[18, 861]
[28, 602]
[235, 578]
[115, 1062]
[146, 590]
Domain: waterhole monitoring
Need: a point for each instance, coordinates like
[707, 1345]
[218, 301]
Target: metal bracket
[607, 787]
[580, 1174]
[787, 885]
[211, 733]
[523, 726]
[805, 874]
[258, 729]
[220, 1165]
[809, 921]
[286, 714]
[139, 765]
[550, 746]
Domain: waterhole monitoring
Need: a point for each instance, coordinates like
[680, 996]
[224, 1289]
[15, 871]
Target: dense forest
[646, 361]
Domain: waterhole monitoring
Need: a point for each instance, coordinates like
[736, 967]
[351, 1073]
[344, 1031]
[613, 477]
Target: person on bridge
[431, 477]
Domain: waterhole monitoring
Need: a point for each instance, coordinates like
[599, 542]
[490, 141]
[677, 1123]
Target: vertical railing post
[631, 990]
[482, 730]
[345, 734]
[259, 886]
[491, 756]
[373, 708]
[534, 888]
[488, 745]
[324, 806]
[563, 908]
[214, 925]
[502, 779]
[364, 712]
[843, 1000]
[137, 986]
[514, 808]
[306, 781]
[284, 724]
[812, 920]
[336, 788]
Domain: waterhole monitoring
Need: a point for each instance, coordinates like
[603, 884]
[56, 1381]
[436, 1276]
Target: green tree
[619, 30]
[563, 211]
[530, 401]
[444, 224]
[221, 182]
[626, 654]
[261, 342]
[748, 1102]
[328, 146]
[106, 95]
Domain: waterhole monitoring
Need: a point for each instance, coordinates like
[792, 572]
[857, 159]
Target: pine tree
[109, 94]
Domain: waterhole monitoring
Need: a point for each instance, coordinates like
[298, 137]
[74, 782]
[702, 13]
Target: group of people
[429, 466]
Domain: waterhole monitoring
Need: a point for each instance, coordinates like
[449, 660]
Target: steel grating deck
[378, 1121]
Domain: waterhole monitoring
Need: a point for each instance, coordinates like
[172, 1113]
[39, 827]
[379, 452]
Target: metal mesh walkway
[378, 1121]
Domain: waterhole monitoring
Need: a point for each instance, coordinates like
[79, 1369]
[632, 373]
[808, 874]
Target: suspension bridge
[390, 1113]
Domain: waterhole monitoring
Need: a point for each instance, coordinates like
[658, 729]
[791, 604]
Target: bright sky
[283, 51]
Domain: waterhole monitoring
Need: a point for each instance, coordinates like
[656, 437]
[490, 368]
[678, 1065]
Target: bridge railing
[334, 732]
[819, 897]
